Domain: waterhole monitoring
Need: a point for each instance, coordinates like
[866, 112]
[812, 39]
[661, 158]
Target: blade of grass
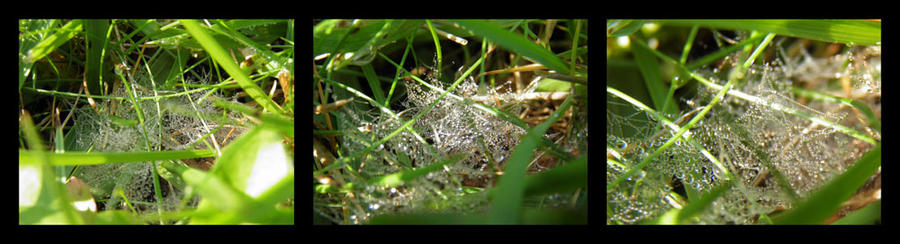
[652, 77]
[507, 203]
[721, 53]
[403, 177]
[574, 44]
[219, 54]
[95, 32]
[678, 216]
[617, 28]
[374, 83]
[52, 42]
[48, 183]
[515, 43]
[568, 177]
[861, 32]
[394, 82]
[31, 157]
[826, 201]
[874, 122]
[437, 46]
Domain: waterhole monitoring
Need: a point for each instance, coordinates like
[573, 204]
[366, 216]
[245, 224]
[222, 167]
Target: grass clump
[140, 116]
[773, 144]
[425, 131]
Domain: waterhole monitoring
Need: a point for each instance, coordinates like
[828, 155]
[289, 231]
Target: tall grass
[133, 71]
[393, 165]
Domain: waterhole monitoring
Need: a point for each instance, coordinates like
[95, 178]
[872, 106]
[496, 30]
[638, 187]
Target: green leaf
[860, 32]
[515, 43]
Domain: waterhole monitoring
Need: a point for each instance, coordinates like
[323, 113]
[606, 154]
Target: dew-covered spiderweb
[176, 124]
[451, 128]
[746, 137]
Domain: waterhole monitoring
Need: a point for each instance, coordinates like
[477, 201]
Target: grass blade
[400, 178]
[515, 43]
[95, 30]
[861, 32]
[652, 77]
[617, 28]
[49, 44]
[507, 203]
[218, 53]
[31, 157]
[677, 216]
[374, 83]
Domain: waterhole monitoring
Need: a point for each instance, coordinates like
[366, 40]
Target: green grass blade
[403, 177]
[95, 30]
[30, 157]
[874, 122]
[826, 201]
[218, 53]
[49, 44]
[507, 203]
[861, 32]
[788, 110]
[721, 53]
[515, 43]
[213, 188]
[568, 177]
[374, 83]
[678, 216]
[649, 68]
[617, 28]
[437, 46]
